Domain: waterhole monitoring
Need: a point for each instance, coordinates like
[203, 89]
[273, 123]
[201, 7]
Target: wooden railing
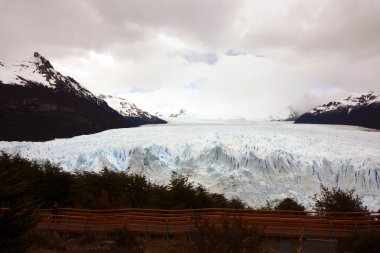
[183, 222]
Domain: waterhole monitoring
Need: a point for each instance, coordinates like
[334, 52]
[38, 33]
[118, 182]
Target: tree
[289, 204]
[16, 197]
[337, 200]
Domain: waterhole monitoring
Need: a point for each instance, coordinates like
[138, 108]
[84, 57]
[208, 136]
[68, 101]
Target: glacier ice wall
[254, 161]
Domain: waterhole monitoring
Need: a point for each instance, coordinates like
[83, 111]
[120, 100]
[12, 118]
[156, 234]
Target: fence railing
[182, 222]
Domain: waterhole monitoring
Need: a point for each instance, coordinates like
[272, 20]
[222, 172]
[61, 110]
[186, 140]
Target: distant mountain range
[288, 114]
[37, 103]
[179, 113]
[356, 109]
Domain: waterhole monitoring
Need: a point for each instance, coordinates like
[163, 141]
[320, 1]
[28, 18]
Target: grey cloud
[207, 22]
[292, 45]
[59, 28]
[349, 28]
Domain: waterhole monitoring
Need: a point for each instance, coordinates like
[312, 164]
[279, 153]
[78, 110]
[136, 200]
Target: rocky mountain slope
[356, 109]
[37, 103]
[130, 110]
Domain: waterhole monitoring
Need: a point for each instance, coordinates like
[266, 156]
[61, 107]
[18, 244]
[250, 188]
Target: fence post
[146, 228]
[189, 230]
[281, 228]
[67, 228]
[257, 225]
[305, 229]
[330, 230]
[167, 229]
[105, 228]
[49, 226]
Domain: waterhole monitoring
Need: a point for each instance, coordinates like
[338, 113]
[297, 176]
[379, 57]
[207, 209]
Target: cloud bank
[216, 58]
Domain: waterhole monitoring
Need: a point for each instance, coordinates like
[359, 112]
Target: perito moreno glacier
[253, 161]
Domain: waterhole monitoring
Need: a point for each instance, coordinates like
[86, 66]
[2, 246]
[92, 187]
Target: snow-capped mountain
[288, 114]
[37, 70]
[356, 109]
[38, 103]
[255, 161]
[130, 110]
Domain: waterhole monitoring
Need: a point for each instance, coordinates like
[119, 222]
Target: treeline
[44, 184]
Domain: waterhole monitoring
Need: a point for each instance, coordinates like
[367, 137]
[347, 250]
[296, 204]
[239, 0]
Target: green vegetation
[337, 200]
[17, 220]
[46, 184]
[26, 186]
[284, 204]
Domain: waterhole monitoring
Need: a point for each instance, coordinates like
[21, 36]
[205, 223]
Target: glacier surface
[255, 161]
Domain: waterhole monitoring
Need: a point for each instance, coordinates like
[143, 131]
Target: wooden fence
[184, 222]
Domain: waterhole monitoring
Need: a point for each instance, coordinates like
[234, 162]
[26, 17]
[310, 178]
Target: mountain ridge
[129, 109]
[37, 103]
[359, 109]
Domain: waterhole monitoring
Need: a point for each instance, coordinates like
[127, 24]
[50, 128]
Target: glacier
[255, 161]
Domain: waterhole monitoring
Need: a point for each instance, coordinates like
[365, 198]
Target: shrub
[284, 204]
[337, 200]
[289, 204]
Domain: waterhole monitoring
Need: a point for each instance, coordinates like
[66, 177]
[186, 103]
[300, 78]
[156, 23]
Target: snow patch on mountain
[37, 70]
[349, 102]
[253, 161]
[125, 107]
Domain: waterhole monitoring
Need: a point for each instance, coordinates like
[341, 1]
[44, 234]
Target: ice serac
[255, 162]
[356, 109]
[37, 103]
[130, 110]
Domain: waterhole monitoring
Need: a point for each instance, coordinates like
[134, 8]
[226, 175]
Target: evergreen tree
[17, 203]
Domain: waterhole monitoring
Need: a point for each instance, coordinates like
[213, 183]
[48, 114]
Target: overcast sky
[215, 58]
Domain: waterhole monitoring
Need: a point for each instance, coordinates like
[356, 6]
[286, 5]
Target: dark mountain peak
[348, 103]
[42, 61]
[38, 103]
[356, 109]
[38, 70]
